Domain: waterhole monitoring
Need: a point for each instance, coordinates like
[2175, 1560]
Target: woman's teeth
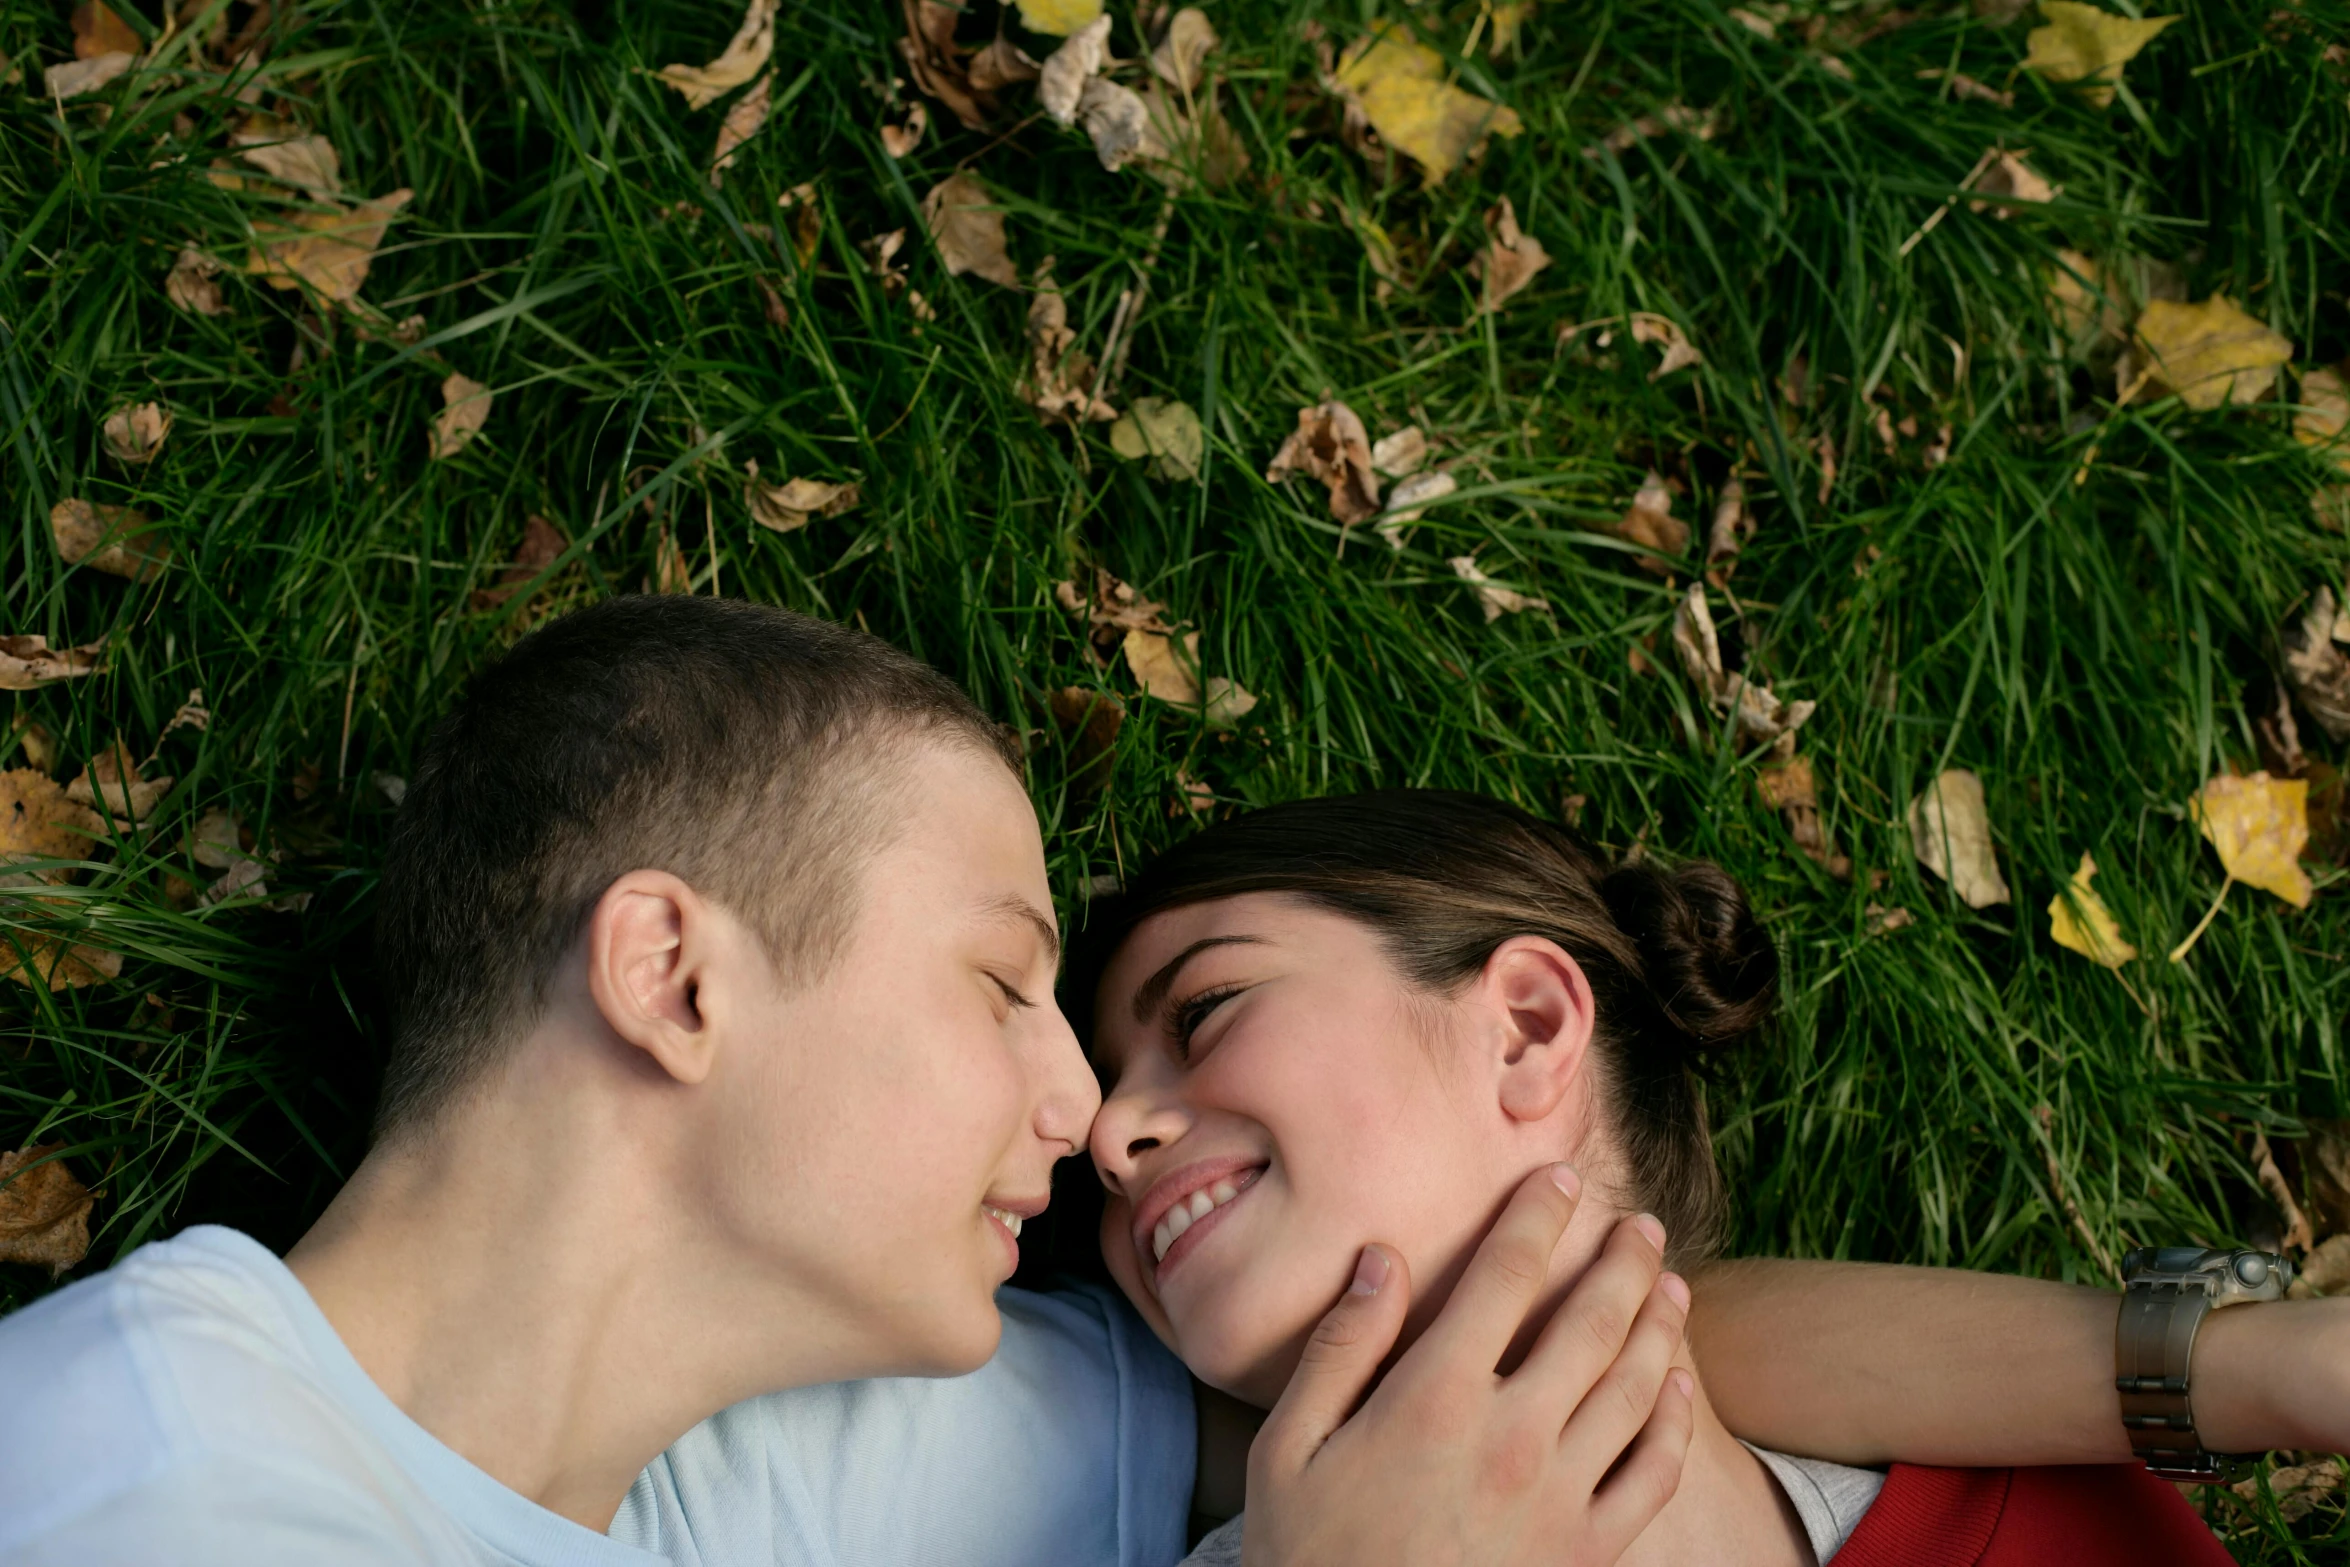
[1010, 1221]
[1184, 1215]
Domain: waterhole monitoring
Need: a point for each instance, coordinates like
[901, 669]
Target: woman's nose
[1134, 1122]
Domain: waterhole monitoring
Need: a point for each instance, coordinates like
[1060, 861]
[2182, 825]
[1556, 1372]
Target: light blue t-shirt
[192, 1406]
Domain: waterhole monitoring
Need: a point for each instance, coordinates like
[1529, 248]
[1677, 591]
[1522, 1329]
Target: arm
[1865, 1363]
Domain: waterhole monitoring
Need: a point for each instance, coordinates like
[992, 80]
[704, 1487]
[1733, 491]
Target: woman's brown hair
[1680, 969]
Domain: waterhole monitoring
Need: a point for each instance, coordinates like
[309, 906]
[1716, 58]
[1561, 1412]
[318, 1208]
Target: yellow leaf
[2079, 921]
[1400, 84]
[2259, 825]
[2212, 353]
[1059, 18]
[1163, 672]
[1166, 432]
[44, 1211]
[2083, 44]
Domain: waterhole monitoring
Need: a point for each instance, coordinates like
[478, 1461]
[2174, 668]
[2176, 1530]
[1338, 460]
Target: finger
[1340, 1359]
[1503, 1280]
[1586, 1333]
[1624, 1398]
[1651, 1471]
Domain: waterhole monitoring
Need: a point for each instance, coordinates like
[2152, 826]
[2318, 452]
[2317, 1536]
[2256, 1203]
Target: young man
[725, 1060]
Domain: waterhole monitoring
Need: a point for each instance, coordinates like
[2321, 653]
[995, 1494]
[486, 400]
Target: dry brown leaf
[1180, 58]
[1112, 609]
[2079, 921]
[744, 57]
[1058, 18]
[1649, 522]
[1400, 85]
[1227, 702]
[1408, 502]
[1965, 86]
[2298, 1488]
[542, 545]
[191, 284]
[1647, 327]
[1673, 117]
[112, 782]
[98, 31]
[465, 408]
[1060, 82]
[1059, 380]
[40, 745]
[2324, 414]
[1789, 787]
[790, 505]
[2315, 665]
[44, 1211]
[745, 118]
[1002, 64]
[1883, 921]
[2079, 43]
[134, 433]
[1120, 124]
[76, 77]
[1331, 445]
[2208, 354]
[937, 64]
[40, 821]
[899, 141]
[1089, 721]
[309, 163]
[1950, 832]
[1401, 453]
[1761, 717]
[1166, 432]
[27, 662]
[2325, 1271]
[967, 225]
[112, 539]
[327, 252]
[1510, 259]
[1732, 526]
[1171, 677]
[1492, 597]
[2007, 175]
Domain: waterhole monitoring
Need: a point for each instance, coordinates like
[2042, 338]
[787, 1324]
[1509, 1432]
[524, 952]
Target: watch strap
[2154, 1347]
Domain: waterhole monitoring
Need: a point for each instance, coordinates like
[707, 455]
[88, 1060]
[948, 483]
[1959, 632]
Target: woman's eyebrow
[1154, 989]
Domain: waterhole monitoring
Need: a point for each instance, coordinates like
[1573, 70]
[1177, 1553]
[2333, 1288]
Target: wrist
[2273, 1377]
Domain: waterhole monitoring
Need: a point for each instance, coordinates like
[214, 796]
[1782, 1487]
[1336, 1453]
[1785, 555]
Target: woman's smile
[1183, 1207]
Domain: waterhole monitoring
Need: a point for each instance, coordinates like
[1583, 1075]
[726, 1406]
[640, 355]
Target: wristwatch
[2167, 1291]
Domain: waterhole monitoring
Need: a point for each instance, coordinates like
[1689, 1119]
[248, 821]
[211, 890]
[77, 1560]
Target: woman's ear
[649, 943]
[1542, 1002]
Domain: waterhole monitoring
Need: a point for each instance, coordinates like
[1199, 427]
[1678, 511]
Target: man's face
[885, 1128]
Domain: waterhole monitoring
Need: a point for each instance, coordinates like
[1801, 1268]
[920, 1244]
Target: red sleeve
[2092, 1515]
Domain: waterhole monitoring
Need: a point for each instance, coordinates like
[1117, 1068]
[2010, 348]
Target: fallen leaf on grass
[1700, 123]
[465, 409]
[2007, 175]
[1882, 921]
[788, 506]
[1510, 259]
[1002, 63]
[327, 252]
[2325, 1271]
[2325, 413]
[1950, 833]
[112, 783]
[2079, 43]
[1166, 432]
[1058, 18]
[542, 545]
[2208, 354]
[1399, 85]
[1761, 717]
[2298, 1488]
[112, 539]
[1111, 610]
[899, 141]
[1401, 453]
[1492, 597]
[1060, 82]
[1152, 658]
[2259, 826]
[134, 433]
[1789, 787]
[44, 1211]
[191, 284]
[97, 30]
[40, 821]
[29, 662]
[744, 57]
[1119, 122]
[1331, 445]
[1089, 720]
[1180, 58]
[1408, 502]
[76, 77]
[937, 63]
[1649, 522]
[2315, 665]
[309, 163]
[745, 118]
[1059, 381]
[1647, 327]
[967, 225]
[1732, 526]
[2079, 921]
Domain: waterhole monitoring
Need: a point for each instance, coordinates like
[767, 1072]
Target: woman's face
[1277, 1097]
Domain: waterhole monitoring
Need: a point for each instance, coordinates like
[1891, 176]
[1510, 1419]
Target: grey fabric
[1220, 1548]
[1829, 1498]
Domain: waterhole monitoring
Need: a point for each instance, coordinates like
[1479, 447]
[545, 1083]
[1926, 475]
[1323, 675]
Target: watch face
[2179, 1259]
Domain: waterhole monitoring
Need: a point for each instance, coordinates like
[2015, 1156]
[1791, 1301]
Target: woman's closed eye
[1184, 1017]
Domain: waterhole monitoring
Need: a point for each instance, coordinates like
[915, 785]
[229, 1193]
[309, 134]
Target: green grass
[2093, 649]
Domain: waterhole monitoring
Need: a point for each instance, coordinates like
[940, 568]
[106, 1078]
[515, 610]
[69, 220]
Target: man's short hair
[743, 748]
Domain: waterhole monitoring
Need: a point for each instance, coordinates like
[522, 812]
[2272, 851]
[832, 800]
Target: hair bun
[1709, 963]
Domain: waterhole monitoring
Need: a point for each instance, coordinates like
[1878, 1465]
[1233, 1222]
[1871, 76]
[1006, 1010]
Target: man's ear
[1541, 1002]
[650, 941]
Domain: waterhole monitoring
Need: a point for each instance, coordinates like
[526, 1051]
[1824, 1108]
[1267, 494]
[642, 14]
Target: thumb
[1340, 1359]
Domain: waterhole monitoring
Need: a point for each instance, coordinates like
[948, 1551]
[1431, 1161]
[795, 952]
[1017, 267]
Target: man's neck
[517, 1281]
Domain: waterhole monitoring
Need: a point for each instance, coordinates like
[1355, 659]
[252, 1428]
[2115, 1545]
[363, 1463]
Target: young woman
[1346, 1020]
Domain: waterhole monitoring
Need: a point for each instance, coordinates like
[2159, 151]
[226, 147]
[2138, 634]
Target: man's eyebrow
[1154, 989]
[1017, 910]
